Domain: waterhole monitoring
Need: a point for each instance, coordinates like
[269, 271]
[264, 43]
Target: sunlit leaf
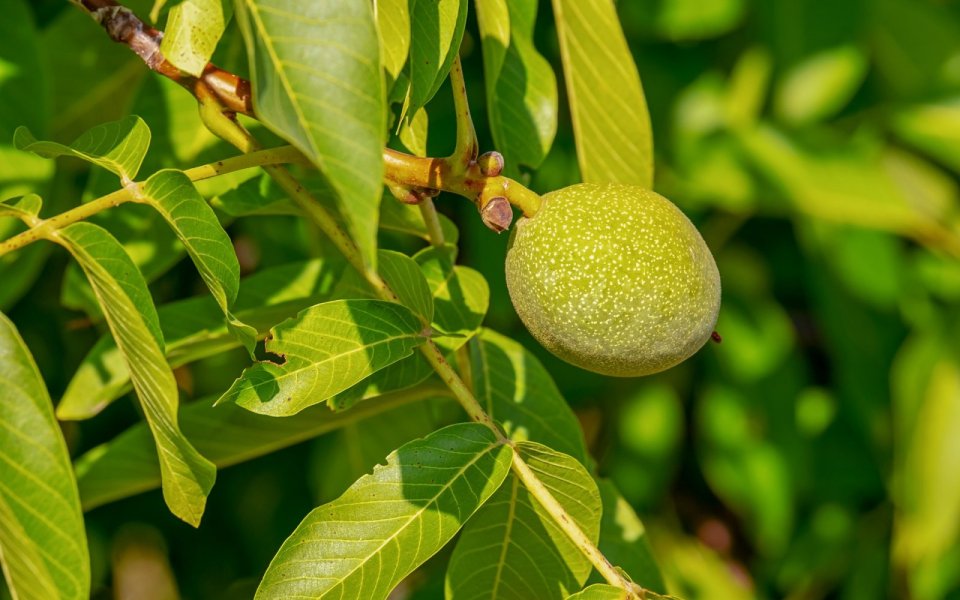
[517, 391]
[683, 19]
[413, 132]
[404, 277]
[194, 328]
[43, 544]
[132, 318]
[437, 28]
[460, 294]
[933, 128]
[324, 350]
[521, 86]
[388, 523]
[317, 82]
[227, 435]
[118, 146]
[393, 23]
[24, 208]
[607, 105]
[513, 548]
[191, 34]
[195, 224]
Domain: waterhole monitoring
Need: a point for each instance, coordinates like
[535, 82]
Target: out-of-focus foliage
[813, 454]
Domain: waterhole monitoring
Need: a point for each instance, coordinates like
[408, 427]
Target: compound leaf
[43, 545]
[388, 523]
[132, 318]
[437, 28]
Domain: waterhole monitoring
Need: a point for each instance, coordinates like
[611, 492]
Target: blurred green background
[815, 453]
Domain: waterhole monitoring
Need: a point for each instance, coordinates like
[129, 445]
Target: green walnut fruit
[613, 278]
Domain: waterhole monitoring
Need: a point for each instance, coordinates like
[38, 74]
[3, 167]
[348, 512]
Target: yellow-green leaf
[43, 545]
[607, 106]
[388, 523]
[193, 29]
[132, 318]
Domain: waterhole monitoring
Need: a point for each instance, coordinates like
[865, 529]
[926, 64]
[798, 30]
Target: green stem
[44, 227]
[430, 218]
[467, 146]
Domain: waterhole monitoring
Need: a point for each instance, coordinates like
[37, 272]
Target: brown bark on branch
[125, 27]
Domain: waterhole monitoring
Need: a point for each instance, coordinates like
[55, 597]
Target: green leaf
[393, 23]
[521, 85]
[607, 106]
[460, 294]
[600, 591]
[227, 434]
[678, 20]
[460, 301]
[518, 392]
[132, 318]
[933, 128]
[195, 224]
[404, 218]
[43, 544]
[821, 85]
[118, 146]
[317, 83]
[623, 540]
[513, 548]
[392, 520]
[324, 350]
[24, 208]
[437, 28]
[413, 132]
[408, 283]
[356, 448]
[191, 34]
[194, 328]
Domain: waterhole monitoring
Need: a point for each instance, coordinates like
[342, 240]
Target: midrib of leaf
[511, 514]
[434, 500]
[281, 72]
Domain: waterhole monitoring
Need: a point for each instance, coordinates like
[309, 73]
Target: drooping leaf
[317, 83]
[191, 34]
[407, 281]
[43, 544]
[513, 548]
[195, 224]
[392, 520]
[194, 328]
[517, 391]
[393, 23]
[623, 540]
[607, 105]
[521, 85]
[118, 146]
[132, 318]
[460, 294]
[324, 350]
[227, 435]
[436, 30]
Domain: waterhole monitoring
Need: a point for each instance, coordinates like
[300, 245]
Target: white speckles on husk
[613, 278]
